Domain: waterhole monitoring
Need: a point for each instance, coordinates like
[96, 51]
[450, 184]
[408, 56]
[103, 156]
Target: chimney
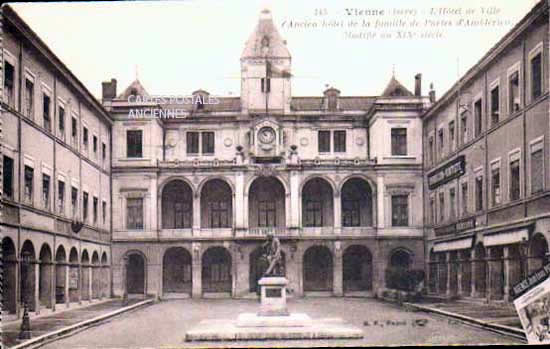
[432, 93]
[418, 85]
[109, 89]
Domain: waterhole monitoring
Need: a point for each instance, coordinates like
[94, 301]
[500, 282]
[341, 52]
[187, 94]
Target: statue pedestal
[273, 296]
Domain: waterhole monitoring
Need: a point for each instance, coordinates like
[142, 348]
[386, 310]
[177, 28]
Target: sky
[177, 47]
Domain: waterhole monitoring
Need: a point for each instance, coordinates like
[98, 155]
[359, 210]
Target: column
[472, 274]
[18, 308]
[67, 296]
[240, 209]
[337, 277]
[90, 280]
[506, 271]
[36, 267]
[53, 281]
[337, 212]
[196, 275]
[380, 201]
[449, 273]
[295, 199]
[79, 283]
[196, 213]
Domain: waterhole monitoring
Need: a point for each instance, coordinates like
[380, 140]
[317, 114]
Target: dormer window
[265, 41]
[332, 102]
[133, 92]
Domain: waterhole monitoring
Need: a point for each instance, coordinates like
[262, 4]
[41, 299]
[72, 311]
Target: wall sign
[451, 170]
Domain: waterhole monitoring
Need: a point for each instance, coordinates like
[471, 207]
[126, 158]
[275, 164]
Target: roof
[135, 88]
[395, 88]
[265, 40]
[345, 103]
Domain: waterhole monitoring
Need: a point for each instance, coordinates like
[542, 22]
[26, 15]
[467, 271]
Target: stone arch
[357, 199]
[217, 264]
[95, 275]
[9, 261]
[167, 181]
[136, 272]
[317, 203]
[177, 270]
[357, 265]
[60, 274]
[330, 181]
[105, 279]
[86, 274]
[318, 271]
[370, 181]
[45, 276]
[28, 274]
[74, 275]
[280, 178]
[216, 204]
[267, 203]
[176, 204]
[401, 257]
[225, 179]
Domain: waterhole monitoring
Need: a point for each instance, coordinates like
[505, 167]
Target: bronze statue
[272, 252]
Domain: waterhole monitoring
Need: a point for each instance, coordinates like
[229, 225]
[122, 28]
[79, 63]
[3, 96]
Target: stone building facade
[487, 169]
[337, 179]
[56, 163]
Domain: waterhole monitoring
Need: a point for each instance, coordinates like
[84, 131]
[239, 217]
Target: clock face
[266, 135]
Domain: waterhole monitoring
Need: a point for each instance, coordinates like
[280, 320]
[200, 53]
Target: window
[536, 76]
[74, 200]
[399, 141]
[29, 98]
[431, 150]
[94, 209]
[479, 193]
[332, 102]
[351, 213]
[266, 85]
[7, 177]
[103, 151]
[339, 141]
[314, 214]
[464, 189]
[495, 186]
[46, 190]
[452, 200]
[9, 81]
[61, 116]
[219, 214]
[495, 106]
[46, 110]
[135, 213]
[29, 177]
[478, 118]
[441, 207]
[324, 141]
[134, 147]
[207, 142]
[85, 137]
[400, 210]
[182, 214]
[60, 195]
[94, 143]
[441, 141]
[200, 103]
[104, 211]
[85, 206]
[74, 129]
[452, 135]
[267, 214]
[464, 127]
[537, 168]
[513, 92]
[432, 211]
[192, 142]
[514, 180]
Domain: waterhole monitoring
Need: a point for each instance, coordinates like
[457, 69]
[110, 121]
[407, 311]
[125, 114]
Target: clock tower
[265, 70]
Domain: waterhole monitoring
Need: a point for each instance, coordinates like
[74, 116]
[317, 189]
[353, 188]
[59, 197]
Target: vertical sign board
[73, 278]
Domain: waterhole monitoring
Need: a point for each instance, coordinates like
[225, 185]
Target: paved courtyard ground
[164, 325]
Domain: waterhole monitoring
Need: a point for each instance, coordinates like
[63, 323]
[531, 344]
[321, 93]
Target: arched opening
[74, 275]
[357, 269]
[497, 272]
[318, 271]
[176, 271]
[399, 264]
[216, 270]
[45, 278]
[105, 280]
[266, 205]
[537, 251]
[177, 205]
[28, 279]
[9, 264]
[135, 274]
[86, 272]
[95, 275]
[466, 272]
[317, 204]
[258, 266]
[216, 205]
[400, 259]
[60, 273]
[480, 277]
[356, 203]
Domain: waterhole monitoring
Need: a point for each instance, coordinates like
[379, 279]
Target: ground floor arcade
[232, 268]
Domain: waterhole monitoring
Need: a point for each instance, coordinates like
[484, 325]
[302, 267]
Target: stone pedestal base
[255, 320]
[273, 296]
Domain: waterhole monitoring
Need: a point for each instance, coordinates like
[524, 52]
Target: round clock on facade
[266, 135]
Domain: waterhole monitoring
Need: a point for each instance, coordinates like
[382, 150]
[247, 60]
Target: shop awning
[459, 244]
[505, 238]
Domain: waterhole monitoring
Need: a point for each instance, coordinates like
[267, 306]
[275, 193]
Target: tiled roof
[265, 40]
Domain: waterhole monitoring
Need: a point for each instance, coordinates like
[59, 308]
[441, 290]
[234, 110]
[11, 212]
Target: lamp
[25, 330]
